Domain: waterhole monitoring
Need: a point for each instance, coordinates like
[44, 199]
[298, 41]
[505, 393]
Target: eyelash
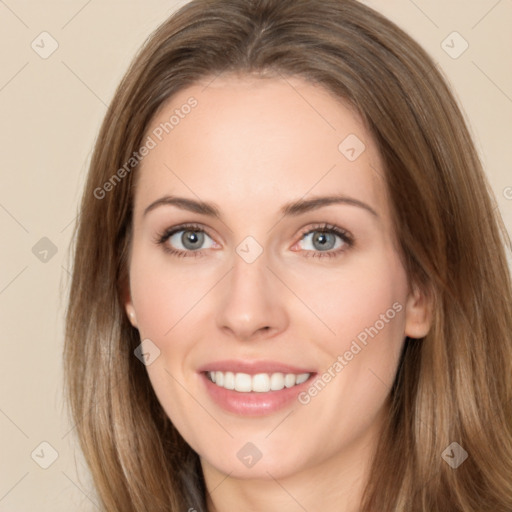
[345, 236]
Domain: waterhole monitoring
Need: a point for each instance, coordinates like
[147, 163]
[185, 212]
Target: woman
[290, 286]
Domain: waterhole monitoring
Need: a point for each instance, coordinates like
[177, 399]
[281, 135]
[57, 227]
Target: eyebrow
[293, 209]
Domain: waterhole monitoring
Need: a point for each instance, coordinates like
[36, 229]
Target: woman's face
[264, 258]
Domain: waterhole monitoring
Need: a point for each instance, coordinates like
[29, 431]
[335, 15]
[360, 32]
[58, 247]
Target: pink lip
[252, 367]
[253, 403]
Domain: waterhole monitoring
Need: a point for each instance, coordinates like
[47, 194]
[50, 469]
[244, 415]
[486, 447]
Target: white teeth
[259, 383]
[243, 382]
[229, 380]
[303, 377]
[276, 381]
[289, 380]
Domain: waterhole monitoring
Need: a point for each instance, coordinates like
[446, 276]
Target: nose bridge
[251, 301]
[249, 268]
[248, 277]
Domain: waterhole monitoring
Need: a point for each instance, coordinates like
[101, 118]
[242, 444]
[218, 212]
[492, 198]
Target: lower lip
[253, 403]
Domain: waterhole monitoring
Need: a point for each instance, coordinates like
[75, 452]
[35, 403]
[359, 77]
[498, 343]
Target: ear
[418, 313]
[130, 311]
[125, 297]
[128, 305]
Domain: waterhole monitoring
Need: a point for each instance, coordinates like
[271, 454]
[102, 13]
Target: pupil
[323, 240]
[192, 239]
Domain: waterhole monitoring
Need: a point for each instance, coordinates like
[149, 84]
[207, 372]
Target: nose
[251, 304]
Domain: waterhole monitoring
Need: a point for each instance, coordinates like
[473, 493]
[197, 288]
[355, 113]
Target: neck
[333, 485]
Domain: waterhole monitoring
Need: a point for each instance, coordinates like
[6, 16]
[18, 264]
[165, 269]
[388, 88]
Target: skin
[250, 146]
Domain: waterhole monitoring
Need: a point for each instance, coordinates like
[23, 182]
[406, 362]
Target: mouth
[249, 388]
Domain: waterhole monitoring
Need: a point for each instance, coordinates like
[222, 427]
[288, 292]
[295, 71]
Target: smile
[259, 383]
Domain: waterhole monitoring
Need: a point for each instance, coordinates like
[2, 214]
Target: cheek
[364, 304]
[360, 361]
[162, 295]
[164, 298]
[371, 337]
[153, 304]
[367, 315]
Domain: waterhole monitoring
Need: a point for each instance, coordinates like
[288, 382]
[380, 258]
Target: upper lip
[252, 367]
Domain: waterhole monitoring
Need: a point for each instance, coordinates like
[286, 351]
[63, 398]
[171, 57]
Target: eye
[186, 240]
[326, 240]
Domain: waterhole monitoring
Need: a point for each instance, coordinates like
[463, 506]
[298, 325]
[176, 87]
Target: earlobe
[128, 304]
[130, 311]
[418, 313]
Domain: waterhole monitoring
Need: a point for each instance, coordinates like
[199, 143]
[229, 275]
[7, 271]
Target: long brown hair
[455, 385]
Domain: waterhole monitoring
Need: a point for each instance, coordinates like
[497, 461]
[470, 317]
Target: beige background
[51, 110]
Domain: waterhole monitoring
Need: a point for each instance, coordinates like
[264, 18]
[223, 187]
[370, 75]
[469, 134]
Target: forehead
[259, 140]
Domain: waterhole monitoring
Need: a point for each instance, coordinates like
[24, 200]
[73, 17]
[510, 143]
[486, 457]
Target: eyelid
[166, 233]
[328, 228]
